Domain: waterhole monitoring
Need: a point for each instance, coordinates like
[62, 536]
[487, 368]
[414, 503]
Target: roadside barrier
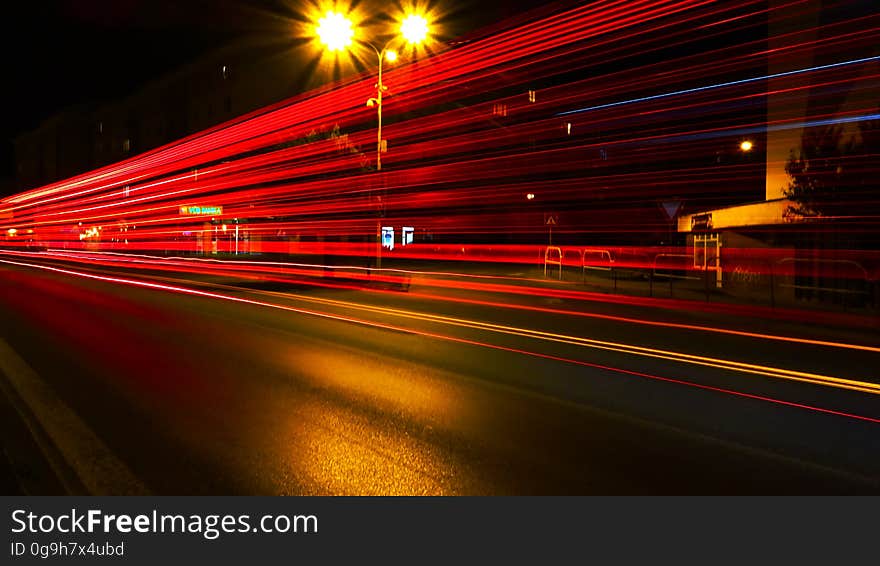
[549, 254]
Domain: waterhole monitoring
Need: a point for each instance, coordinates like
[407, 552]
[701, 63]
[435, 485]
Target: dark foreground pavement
[178, 394]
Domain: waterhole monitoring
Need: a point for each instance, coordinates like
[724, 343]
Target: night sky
[65, 52]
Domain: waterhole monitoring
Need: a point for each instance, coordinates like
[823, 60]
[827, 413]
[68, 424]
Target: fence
[751, 281]
[685, 267]
[854, 271]
[548, 259]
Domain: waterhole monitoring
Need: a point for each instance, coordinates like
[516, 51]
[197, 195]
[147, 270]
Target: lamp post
[336, 32]
[383, 55]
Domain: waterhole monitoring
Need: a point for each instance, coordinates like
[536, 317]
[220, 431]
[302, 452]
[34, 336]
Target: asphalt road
[300, 390]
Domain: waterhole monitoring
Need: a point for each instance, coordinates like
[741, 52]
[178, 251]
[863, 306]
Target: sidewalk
[24, 469]
[686, 298]
[637, 288]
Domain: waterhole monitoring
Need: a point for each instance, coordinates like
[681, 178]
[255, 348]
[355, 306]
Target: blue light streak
[762, 129]
[721, 85]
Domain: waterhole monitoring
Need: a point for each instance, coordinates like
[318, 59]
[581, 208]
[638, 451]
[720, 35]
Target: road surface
[167, 383]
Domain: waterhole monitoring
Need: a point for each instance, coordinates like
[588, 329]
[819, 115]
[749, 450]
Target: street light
[337, 33]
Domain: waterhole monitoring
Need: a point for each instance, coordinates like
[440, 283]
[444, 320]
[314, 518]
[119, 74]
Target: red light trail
[770, 372]
[558, 144]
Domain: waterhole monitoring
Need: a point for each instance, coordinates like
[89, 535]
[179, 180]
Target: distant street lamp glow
[414, 28]
[391, 56]
[746, 146]
[530, 196]
[335, 31]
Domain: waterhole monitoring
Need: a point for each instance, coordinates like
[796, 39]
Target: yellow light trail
[375, 324]
[681, 357]
[173, 260]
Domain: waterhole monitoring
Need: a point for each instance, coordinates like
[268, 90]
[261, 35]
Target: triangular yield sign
[671, 207]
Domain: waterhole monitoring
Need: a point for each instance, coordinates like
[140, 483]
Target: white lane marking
[779, 373]
[94, 463]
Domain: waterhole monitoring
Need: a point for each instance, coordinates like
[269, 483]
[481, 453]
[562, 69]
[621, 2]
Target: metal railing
[768, 275]
[605, 263]
[670, 276]
[858, 268]
[549, 261]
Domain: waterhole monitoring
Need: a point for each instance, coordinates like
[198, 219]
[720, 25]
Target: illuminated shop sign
[201, 210]
[701, 221]
[388, 237]
[406, 235]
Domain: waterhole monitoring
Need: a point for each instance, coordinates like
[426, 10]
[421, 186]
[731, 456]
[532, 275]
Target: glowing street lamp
[746, 146]
[337, 33]
[414, 29]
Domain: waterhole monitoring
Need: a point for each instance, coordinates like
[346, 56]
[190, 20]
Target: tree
[833, 176]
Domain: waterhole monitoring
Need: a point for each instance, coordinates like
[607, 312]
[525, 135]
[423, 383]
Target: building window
[100, 127]
[531, 96]
[499, 109]
[224, 72]
[126, 145]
